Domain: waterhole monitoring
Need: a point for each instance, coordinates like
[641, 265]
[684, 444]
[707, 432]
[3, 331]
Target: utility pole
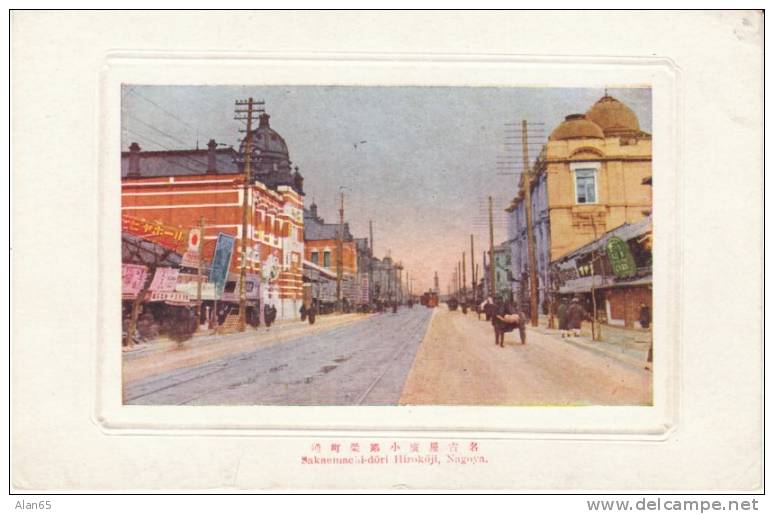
[491, 253]
[533, 301]
[242, 114]
[371, 263]
[199, 273]
[459, 280]
[339, 255]
[594, 335]
[472, 269]
[464, 280]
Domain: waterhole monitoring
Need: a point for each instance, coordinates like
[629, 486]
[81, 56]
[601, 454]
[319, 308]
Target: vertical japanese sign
[164, 280]
[620, 257]
[132, 279]
[220, 261]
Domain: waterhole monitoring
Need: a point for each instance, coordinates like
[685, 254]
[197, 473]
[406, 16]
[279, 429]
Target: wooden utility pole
[340, 255]
[464, 280]
[199, 273]
[594, 335]
[472, 269]
[492, 291]
[371, 262]
[459, 280]
[533, 300]
[476, 281]
[242, 114]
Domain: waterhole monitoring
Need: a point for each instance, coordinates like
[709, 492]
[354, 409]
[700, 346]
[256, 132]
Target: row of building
[183, 216]
[591, 197]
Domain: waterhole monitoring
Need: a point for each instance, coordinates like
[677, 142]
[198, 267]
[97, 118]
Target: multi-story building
[387, 279]
[587, 180]
[179, 188]
[322, 249]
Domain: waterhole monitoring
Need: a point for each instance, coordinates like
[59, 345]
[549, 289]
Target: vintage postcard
[387, 251]
[310, 245]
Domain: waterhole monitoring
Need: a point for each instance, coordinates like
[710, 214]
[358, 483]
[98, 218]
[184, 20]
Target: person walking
[575, 316]
[561, 314]
[644, 316]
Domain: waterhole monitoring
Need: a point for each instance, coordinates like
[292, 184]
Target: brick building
[321, 247]
[178, 187]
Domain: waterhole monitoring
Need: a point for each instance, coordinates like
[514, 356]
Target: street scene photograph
[386, 246]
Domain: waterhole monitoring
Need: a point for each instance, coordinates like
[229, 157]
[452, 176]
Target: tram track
[355, 364]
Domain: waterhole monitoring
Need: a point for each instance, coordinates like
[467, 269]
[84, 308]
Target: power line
[134, 91]
[146, 140]
[202, 163]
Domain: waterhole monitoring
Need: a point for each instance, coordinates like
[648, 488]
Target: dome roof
[613, 116]
[266, 140]
[576, 126]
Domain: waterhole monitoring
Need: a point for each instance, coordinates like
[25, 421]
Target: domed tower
[270, 162]
[614, 117]
[576, 126]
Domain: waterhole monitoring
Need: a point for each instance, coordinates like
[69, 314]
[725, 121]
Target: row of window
[326, 258]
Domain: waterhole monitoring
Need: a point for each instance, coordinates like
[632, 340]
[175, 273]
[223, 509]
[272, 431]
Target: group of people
[571, 315]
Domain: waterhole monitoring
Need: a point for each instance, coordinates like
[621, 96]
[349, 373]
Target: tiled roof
[169, 163]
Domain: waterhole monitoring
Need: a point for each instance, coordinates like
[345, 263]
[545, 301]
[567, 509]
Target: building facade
[321, 248]
[616, 268]
[180, 188]
[587, 180]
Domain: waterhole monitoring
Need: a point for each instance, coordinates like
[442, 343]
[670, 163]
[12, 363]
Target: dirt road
[459, 364]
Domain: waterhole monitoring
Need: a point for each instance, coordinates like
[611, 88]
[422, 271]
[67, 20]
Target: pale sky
[424, 175]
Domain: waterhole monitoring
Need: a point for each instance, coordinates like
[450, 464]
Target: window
[315, 258]
[327, 259]
[585, 186]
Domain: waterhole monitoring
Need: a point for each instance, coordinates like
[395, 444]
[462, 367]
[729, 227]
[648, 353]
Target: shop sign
[191, 289]
[270, 270]
[190, 259]
[194, 236]
[164, 280]
[172, 298]
[132, 279]
[620, 257]
[224, 247]
[167, 236]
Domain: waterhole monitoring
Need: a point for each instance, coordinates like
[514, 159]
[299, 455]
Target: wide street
[417, 356]
[362, 363]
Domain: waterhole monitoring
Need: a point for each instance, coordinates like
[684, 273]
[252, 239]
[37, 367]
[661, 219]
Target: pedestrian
[644, 316]
[561, 314]
[270, 314]
[575, 316]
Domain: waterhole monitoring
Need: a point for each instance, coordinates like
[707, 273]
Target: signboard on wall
[620, 257]
[164, 280]
[224, 248]
[132, 279]
[153, 230]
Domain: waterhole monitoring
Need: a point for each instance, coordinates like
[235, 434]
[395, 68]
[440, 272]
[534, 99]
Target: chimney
[134, 161]
[212, 166]
[313, 210]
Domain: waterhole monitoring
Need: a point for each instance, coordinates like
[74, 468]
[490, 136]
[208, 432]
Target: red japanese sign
[170, 237]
